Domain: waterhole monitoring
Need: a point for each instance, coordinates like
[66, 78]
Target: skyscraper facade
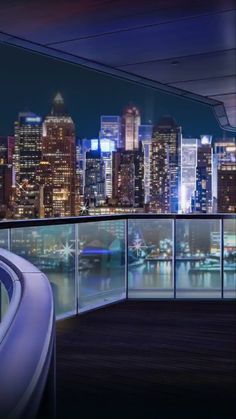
[145, 137]
[94, 188]
[226, 186]
[7, 145]
[128, 179]
[225, 175]
[44, 179]
[130, 128]
[6, 174]
[108, 147]
[110, 128]
[203, 198]
[59, 149]
[28, 146]
[27, 156]
[164, 166]
[188, 163]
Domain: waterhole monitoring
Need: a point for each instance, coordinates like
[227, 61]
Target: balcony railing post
[174, 254]
[77, 267]
[0, 302]
[222, 256]
[9, 239]
[126, 259]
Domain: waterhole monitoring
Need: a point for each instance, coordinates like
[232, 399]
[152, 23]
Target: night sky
[29, 81]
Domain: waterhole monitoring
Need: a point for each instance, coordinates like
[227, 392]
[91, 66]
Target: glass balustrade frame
[117, 259]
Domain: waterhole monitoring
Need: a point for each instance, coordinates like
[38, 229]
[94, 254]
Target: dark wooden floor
[138, 359]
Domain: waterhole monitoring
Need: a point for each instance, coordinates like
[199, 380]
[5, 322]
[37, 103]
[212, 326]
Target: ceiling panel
[182, 44]
[192, 67]
[210, 86]
[59, 20]
[228, 99]
[174, 39]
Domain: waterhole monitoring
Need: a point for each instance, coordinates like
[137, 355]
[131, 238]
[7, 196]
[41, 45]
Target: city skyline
[46, 171]
[95, 134]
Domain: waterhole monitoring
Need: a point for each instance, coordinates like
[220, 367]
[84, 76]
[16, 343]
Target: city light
[33, 119]
[45, 171]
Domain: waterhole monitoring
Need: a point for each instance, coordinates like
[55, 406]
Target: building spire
[58, 98]
[58, 106]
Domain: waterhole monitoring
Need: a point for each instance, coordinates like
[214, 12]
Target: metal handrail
[26, 337]
[8, 224]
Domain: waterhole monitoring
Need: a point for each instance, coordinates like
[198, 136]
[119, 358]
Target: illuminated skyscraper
[128, 179]
[111, 129]
[7, 145]
[28, 146]
[44, 179]
[130, 128]
[203, 200]
[82, 147]
[108, 146]
[27, 156]
[6, 173]
[188, 163]
[94, 188]
[164, 166]
[59, 149]
[145, 137]
[226, 186]
[225, 175]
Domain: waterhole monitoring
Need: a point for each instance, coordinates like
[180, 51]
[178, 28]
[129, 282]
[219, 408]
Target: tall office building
[108, 146]
[128, 177]
[164, 166]
[226, 186]
[225, 175]
[188, 163]
[27, 156]
[28, 146]
[7, 145]
[82, 147]
[44, 179]
[203, 200]
[145, 137]
[110, 128]
[94, 188]
[130, 128]
[6, 174]
[59, 149]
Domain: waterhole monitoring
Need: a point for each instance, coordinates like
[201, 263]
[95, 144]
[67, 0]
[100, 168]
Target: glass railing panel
[230, 258]
[52, 250]
[101, 263]
[4, 239]
[4, 301]
[198, 267]
[150, 252]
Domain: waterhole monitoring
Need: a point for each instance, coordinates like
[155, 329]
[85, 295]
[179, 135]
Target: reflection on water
[157, 276]
[103, 282]
[151, 275]
[101, 263]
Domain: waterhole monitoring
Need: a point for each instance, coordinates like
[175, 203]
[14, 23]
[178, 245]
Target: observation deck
[164, 345]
